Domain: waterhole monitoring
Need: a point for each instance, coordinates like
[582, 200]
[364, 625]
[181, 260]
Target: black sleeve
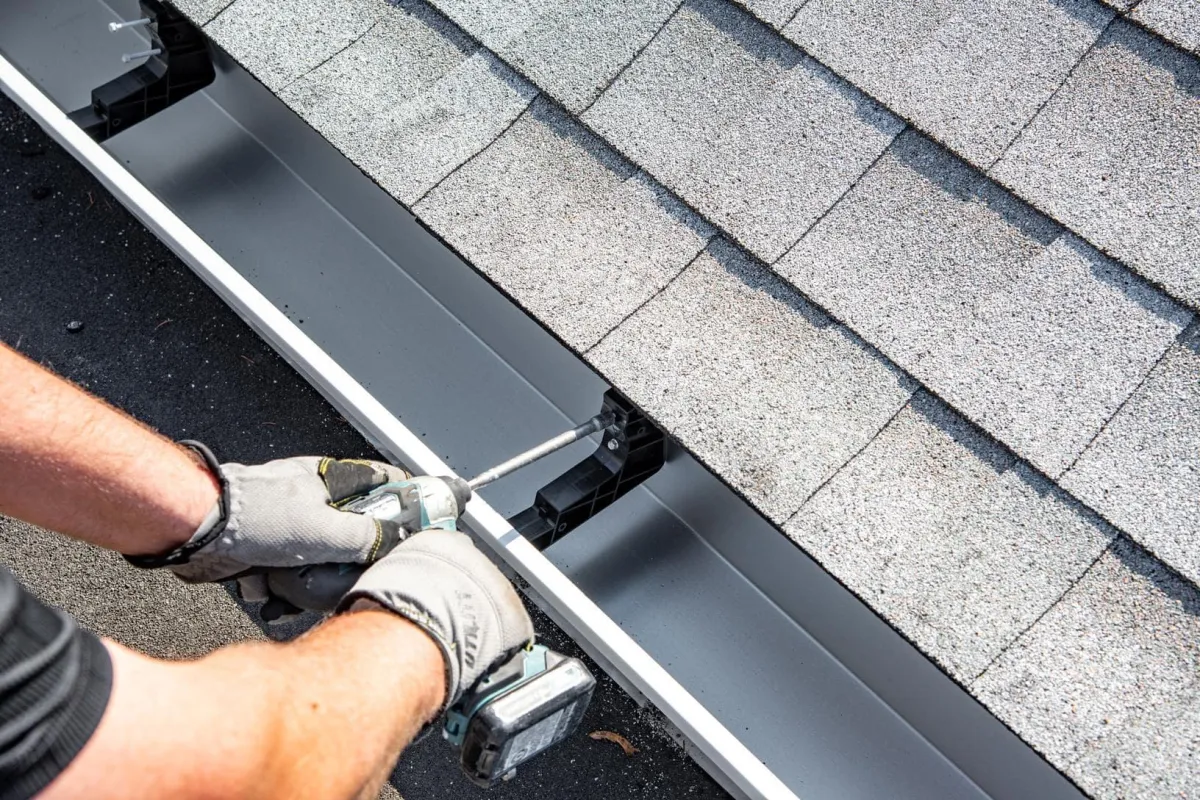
[55, 681]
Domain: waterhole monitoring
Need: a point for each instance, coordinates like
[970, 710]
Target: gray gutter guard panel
[781, 682]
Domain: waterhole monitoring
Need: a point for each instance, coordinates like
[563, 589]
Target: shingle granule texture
[280, 40]
[1143, 471]
[1105, 684]
[755, 135]
[201, 11]
[411, 100]
[1115, 155]
[570, 49]
[1030, 332]
[969, 73]
[576, 234]
[1177, 20]
[950, 538]
[775, 13]
[762, 386]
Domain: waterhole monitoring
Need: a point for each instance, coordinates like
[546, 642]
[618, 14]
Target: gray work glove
[440, 581]
[283, 514]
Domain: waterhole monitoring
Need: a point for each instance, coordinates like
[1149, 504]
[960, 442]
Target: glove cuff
[212, 526]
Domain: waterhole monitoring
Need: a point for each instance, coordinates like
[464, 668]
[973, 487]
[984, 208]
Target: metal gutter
[780, 682]
[700, 727]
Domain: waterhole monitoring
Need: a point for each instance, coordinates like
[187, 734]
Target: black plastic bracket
[183, 66]
[631, 451]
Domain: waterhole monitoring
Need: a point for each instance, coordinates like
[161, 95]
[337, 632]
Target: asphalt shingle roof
[410, 100]
[1115, 155]
[785, 399]
[1177, 20]
[1039, 338]
[770, 234]
[559, 220]
[1106, 681]
[972, 74]
[573, 50]
[1141, 472]
[1007, 543]
[280, 40]
[743, 126]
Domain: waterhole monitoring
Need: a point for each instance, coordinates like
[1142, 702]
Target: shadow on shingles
[962, 431]
[437, 22]
[594, 147]
[562, 126]
[1157, 54]
[675, 208]
[1134, 287]
[1140, 562]
[760, 278]
[966, 183]
[1190, 338]
[1002, 461]
[755, 37]
[507, 75]
[1086, 11]
[764, 44]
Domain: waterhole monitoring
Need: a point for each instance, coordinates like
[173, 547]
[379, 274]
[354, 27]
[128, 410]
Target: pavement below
[156, 342]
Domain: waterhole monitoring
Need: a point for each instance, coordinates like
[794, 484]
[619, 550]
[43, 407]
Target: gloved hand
[283, 514]
[439, 581]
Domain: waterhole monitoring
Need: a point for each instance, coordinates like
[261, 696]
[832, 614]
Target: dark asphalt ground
[157, 343]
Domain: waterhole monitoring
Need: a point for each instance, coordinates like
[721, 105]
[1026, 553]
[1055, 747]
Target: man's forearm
[324, 716]
[71, 463]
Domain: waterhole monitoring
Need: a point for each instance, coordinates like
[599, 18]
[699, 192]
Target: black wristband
[181, 554]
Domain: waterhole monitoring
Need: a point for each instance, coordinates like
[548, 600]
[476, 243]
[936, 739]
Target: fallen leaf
[609, 736]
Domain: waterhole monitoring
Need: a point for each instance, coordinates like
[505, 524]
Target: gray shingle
[572, 50]
[1143, 470]
[755, 135]
[775, 13]
[1177, 20]
[201, 11]
[1115, 155]
[970, 73]
[1105, 685]
[571, 230]
[280, 40]
[947, 536]
[757, 382]
[410, 100]
[1028, 331]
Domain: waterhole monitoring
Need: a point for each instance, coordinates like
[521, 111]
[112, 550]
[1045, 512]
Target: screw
[116, 26]
[131, 56]
[613, 444]
[74, 326]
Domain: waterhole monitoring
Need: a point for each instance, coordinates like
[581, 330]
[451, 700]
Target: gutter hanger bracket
[177, 64]
[631, 451]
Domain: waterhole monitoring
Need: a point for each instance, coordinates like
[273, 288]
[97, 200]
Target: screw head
[613, 444]
[74, 326]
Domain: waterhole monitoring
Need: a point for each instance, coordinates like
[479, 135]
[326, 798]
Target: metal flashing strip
[706, 733]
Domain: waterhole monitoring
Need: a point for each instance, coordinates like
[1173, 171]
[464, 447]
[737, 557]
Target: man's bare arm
[73, 464]
[324, 716]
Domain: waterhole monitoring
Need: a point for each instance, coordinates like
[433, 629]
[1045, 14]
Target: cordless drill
[533, 700]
